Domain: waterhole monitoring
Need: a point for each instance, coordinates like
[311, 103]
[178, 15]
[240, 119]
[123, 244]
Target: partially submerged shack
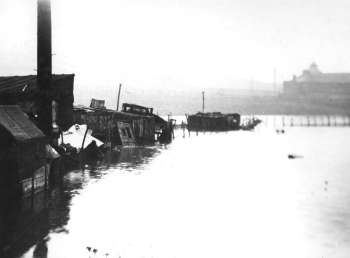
[133, 125]
[214, 121]
[24, 92]
[23, 154]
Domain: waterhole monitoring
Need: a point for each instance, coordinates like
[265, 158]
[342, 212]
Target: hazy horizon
[180, 44]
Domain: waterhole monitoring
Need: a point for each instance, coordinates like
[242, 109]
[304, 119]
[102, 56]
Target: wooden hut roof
[16, 122]
[20, 84]
[81, 108]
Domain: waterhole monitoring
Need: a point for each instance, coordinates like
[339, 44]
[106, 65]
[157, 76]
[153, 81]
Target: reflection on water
[25, 224]
[231, 194]
[130, 158]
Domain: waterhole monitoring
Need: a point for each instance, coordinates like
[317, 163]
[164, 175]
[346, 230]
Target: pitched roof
[18, 124]
[14, 84]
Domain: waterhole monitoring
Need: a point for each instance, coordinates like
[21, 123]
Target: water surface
[230, 194]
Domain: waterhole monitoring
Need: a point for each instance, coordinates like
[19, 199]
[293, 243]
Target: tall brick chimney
[44, 66]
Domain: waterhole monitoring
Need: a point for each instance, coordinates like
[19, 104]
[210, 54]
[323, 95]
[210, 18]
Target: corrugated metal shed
[27, 83]
[16, 122]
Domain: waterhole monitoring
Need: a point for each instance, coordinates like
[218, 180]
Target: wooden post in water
[188, 129]
[82, 145]
[120, 86]
[328, 120]
[291, 122]
[183, 129]
[83, 142]
[44, 66]
[283, 123]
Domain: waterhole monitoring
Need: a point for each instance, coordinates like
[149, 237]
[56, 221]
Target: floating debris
[75, 137]
[280, 131]
[294, 156]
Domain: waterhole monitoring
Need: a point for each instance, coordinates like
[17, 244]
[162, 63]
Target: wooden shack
[23, 91]
[24, 167]
[214, 121]
[112, 126]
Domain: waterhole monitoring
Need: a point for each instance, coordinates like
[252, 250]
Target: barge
[214, 121]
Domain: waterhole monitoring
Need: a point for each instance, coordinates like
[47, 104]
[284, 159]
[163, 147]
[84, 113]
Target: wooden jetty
[309, 121]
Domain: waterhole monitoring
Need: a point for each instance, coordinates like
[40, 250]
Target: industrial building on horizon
[314, 84]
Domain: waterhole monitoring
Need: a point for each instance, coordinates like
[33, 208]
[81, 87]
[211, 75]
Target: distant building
[314, 84]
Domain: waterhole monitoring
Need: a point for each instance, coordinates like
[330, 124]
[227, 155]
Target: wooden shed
[24, 166]
[23, 91]
[117, 127]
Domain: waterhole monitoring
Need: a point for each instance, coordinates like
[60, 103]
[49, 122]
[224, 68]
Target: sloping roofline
[13, 84]
[17, 123]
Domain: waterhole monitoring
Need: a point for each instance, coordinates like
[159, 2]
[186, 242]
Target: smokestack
[44, 66]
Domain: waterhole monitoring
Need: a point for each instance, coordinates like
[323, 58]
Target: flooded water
[234, 194]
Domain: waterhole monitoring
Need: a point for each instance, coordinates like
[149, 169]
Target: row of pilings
[306, 120]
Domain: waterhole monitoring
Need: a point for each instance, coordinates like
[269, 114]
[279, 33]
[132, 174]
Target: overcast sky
[184, 43]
